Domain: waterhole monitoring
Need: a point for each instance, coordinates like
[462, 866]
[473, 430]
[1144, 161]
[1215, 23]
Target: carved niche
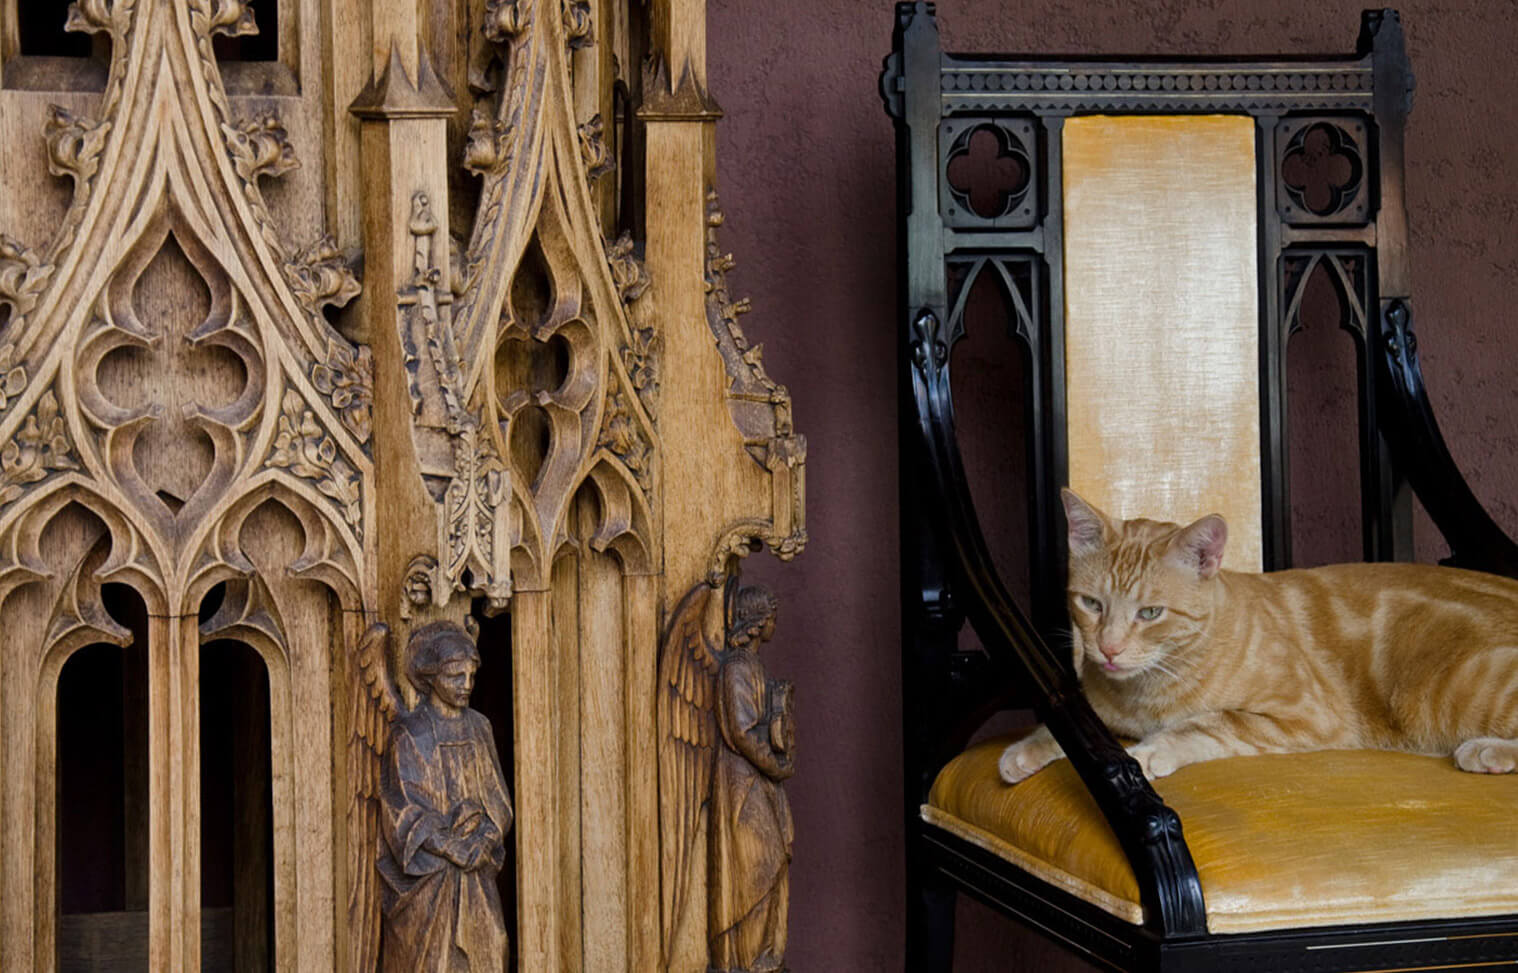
[173, 392]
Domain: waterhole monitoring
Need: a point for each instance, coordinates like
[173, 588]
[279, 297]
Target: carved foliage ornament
[541, 326]
[593, 149]
[12, 376]
[40, 447]
[761, 409]
[505, 19]
[486, 146]
[621, 435]
[173, 382]
[578, 24]
[308, 451]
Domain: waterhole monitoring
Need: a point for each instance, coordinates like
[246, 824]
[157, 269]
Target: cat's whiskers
[1179, 668]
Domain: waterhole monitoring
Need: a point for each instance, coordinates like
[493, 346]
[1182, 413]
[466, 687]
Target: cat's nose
[1111, 651]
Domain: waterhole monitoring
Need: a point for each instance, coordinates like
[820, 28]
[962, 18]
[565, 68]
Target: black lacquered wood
[948, 575]
[1475, 540]
[1149, 832]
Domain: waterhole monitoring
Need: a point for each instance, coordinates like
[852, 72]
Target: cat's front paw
[1026, 757]
[1156, 760]
[1487, 755]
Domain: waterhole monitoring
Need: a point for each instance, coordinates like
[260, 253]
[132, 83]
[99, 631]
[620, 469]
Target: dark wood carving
[1329, 178]
[442, 803]
[1323, 174]
[727, 744]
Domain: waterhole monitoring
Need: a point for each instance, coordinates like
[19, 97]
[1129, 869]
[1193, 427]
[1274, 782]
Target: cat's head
[1140, 590]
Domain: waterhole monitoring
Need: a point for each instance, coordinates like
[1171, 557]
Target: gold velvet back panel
[1162, 320]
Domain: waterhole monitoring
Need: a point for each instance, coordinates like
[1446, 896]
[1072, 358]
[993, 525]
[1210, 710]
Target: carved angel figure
[439, 829]
[727, 743]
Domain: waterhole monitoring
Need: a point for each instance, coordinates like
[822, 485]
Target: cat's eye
[1150, 613]
[1090, 604]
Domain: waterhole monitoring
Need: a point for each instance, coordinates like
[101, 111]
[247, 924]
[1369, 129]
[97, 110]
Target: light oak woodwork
[419, 319]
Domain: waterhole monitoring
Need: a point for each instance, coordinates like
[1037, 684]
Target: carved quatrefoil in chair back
[1151, 308]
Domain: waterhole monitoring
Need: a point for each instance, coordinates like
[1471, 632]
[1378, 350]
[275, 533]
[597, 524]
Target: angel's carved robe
[446, 814]
[752, 831]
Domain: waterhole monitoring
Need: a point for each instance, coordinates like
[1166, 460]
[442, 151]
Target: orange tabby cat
[1198, 663]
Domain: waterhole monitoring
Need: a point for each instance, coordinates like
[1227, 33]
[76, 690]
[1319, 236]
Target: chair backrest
[1162, 310]
[1155, 227]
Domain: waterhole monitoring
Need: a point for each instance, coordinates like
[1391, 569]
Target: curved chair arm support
[1148, 831]
[1475, 540]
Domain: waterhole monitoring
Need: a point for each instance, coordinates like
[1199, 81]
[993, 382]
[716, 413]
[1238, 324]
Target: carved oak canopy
[323, 313]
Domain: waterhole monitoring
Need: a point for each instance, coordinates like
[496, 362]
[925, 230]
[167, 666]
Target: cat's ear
[1200, 546]
[1088, 525]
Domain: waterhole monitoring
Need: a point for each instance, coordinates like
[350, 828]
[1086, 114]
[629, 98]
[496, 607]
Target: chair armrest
[1148, 831]
[1407, 421]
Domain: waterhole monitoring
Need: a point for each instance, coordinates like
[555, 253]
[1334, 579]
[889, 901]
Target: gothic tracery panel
[202, 409]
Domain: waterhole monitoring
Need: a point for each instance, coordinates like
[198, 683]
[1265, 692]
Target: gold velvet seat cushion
[1280, 841]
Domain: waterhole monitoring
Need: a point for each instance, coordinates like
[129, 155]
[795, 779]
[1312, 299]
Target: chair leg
[930, 922]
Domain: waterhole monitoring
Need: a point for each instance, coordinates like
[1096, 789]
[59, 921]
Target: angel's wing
[688, 665]
[374, 704]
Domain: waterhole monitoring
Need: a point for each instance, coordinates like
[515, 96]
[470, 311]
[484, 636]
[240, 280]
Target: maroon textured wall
[806, 162]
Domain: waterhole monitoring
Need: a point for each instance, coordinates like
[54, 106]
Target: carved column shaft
[403, 147]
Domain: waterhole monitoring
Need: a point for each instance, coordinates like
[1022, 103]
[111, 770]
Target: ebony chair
[1153, 308]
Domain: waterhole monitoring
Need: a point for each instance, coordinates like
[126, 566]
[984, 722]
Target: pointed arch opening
[236, 806]
[492, 697]
[1325, 329]
[100, 806]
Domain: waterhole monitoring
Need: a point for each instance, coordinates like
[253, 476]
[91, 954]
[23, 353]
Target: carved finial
[474, 519]
[74, 143]
[260, 147]
[505, 19]
[578, 25]
[593, 150]
[485, 147]
[91, 17]
[232, 18]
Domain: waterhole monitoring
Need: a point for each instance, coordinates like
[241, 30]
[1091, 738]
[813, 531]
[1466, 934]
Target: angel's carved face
[455, 682]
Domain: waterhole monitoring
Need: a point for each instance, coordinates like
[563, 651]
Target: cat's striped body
[1199, 663]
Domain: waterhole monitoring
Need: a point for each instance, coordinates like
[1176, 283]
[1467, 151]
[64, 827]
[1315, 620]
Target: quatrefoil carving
[988, 171]
[171, 376]
[1322, 172]
[545, 366]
